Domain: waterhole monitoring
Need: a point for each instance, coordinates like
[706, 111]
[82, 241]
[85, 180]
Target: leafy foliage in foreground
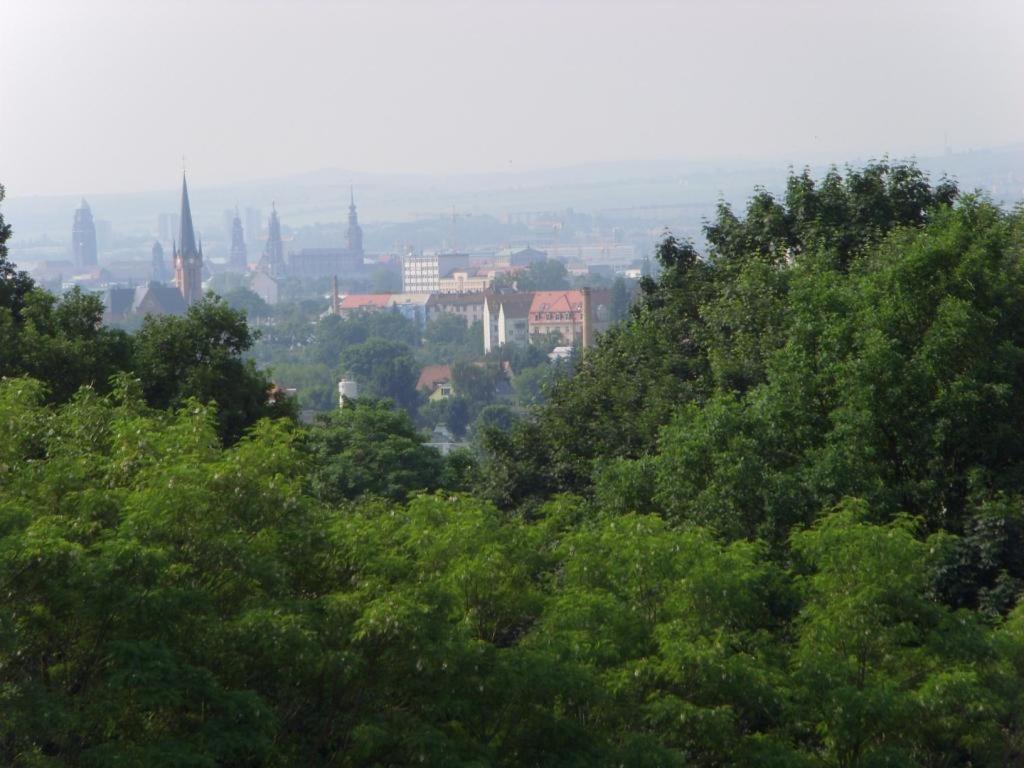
[169, 601]
[776, 520]
[865, 338]
[62, 343]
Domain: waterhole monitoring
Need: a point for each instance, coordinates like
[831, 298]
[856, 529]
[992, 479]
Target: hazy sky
[107, 96]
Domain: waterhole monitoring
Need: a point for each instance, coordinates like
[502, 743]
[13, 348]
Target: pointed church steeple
[354, 235]
[187, 236]
[188, 256]
[239, 253]
[272, 260]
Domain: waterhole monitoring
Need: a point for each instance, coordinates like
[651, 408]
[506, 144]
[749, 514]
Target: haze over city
[511, 384]
[106, 97]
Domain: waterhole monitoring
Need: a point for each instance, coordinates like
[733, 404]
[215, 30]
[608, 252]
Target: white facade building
[506, 320]
[422, 273]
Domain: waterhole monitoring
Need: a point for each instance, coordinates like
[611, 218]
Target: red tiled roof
[556, 301]
[433, 375]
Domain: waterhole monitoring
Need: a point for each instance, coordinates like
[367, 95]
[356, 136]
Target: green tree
[731, 322]
[453, 412]
[530, 384]
[630, 384]
[447, 337]
[446, 328]
[881, 668]
[200, 355]
[619, 307]
[384, 369]
[369, 448]
[247, 301]
[476, 383]
[497, 415]
[60, 341]
[14, 284]
[773, 518]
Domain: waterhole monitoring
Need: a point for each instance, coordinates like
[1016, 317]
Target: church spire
[354, 235]
[239, 253]
[272, 260]
[188, 256]
[187, 236]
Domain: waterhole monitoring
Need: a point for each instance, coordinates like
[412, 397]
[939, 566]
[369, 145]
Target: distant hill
[661, 191]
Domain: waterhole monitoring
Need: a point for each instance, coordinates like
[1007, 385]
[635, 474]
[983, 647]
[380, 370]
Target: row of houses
[506, 318]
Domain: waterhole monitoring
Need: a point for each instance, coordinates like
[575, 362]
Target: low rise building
[355, 302]
[465, 281]
[506, 319]
[436, 382]
[561, 312]
[468, 306]
[150, 298]
[411, 305]
[423, 272]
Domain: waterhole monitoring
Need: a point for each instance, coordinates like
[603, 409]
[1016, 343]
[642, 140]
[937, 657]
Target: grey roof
[455, 298]
[154, 298]
[515, 251]
[118, 301]
[516, 304]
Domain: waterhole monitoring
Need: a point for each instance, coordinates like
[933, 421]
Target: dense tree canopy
[774, 519]
[248, 301]
[709, 326]
[199, 355]
[384, 369]
[367, 447]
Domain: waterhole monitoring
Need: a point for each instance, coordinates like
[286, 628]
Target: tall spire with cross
[188, 255]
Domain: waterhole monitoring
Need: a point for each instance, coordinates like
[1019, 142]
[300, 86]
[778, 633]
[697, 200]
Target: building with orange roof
[354, 302]
[436, 381]
[561, 312]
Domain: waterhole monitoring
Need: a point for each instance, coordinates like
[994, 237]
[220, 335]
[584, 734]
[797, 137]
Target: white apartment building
[422, 273]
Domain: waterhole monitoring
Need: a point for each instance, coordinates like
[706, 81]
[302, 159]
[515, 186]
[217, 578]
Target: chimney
[335, 309]
[588, 320]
